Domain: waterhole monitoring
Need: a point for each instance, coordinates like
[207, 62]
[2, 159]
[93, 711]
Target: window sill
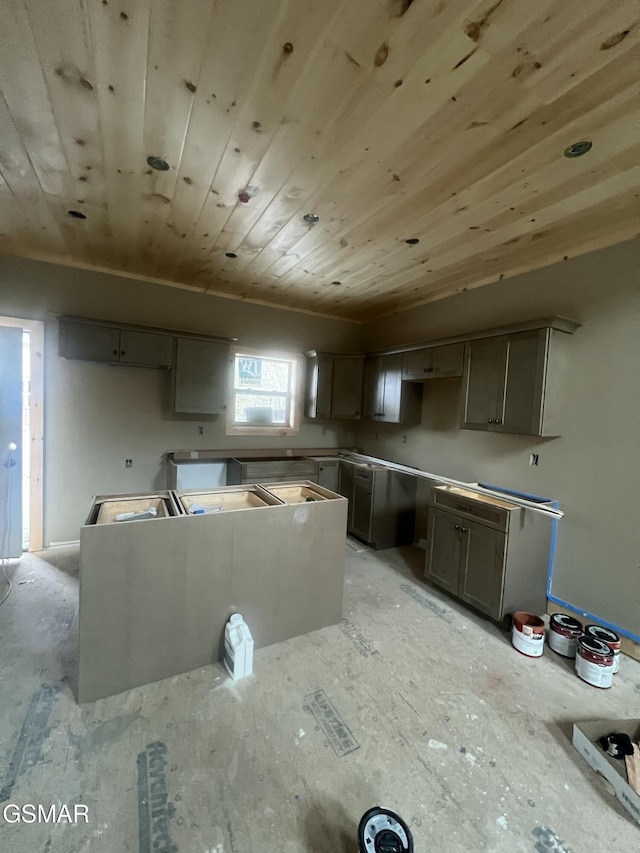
[261, 430]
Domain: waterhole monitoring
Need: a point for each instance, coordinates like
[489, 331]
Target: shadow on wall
[441, 405]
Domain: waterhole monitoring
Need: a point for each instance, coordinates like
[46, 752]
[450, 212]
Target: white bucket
[528, 634]
[238, 648]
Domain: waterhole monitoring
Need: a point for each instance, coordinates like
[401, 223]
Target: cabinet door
[88, 341]
[447, 361]
[318, 387]
[391, 384]
[485, 363]
[373, 384]
[345, 488]
[482, 567]
[418, 364]
[443, 555]
[362, 505]
[146, 348]
[521, 400]
[201, 373]
[328, 475]
[346, 392]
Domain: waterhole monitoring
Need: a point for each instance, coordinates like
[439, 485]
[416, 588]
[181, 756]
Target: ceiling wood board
[443, 121]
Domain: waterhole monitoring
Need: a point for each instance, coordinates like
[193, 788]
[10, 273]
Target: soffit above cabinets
[380, 121]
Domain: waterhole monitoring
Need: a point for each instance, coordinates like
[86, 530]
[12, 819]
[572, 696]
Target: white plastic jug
[238, 647]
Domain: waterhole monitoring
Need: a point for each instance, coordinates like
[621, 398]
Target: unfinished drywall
[592, 469]
[96, 416]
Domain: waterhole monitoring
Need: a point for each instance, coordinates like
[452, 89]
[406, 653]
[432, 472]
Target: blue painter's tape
[554, 529]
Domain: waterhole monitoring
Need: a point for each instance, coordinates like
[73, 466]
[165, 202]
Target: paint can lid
[595, 646]
[568, 623]
[602, 633]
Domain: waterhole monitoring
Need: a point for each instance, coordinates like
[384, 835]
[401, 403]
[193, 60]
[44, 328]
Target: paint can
[594, 661]
[563, 634]
[527, 635]
[608, 637]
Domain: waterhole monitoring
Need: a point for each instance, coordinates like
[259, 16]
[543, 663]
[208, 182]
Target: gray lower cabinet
[387, 399]
[328, 473]
[490, 553]
[87, 341]
[201, 376]
[256, 470]
[381, 504]
[333, 387]
[514, 383]
[441, 362]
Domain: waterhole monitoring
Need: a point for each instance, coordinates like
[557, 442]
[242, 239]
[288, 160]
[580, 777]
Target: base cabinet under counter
[488, 552]
[382, 504]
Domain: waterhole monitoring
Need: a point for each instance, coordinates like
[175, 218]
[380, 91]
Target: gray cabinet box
[514, 383]
[333, 387]
[381, 504]
[387, 399]
[90, 341]
[492, 554]
[155, 595]
[267, 470]
[201, 376]
[441, 362]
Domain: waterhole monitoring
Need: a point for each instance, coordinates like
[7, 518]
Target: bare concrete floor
[412, 703]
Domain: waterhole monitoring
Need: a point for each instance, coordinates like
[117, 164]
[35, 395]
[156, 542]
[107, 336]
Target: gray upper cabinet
[514, 383]
[387, 398]
[146, 349]
[318, 386]
[441, 362]
[201, 375]
[109, 344]
[333, 386]
[88, 342]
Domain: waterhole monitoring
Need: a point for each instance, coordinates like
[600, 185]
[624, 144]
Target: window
[264, 393]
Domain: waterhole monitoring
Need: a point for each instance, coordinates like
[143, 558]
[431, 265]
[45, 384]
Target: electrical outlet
[200, 430]
[128, 463]
[324, 430]
[533, 459]
[404, 439]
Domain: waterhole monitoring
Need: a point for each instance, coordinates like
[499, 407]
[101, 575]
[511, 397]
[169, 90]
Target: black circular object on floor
[383, 831]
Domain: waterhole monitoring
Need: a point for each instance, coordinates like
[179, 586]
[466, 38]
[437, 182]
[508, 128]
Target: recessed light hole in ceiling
[311, 218]
[578, 148]
[412, 241]
[230, 255]
[337, 283]
[76, 214]
[158, 163]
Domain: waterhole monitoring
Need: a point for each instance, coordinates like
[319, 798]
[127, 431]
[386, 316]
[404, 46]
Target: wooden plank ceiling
[442, 121]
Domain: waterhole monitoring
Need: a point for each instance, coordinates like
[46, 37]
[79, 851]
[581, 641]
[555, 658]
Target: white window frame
[296, 360]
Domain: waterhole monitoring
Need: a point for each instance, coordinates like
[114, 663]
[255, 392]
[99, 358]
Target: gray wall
[593, 468]
[96, 416]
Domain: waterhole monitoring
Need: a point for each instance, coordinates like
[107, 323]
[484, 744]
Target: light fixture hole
[230, 255]
[578, 148]
[158, 163]
[412, 241]
[311, 218]
[337, 283]
[76, 214]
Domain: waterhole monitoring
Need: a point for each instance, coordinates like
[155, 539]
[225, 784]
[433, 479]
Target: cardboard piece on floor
[585, 737]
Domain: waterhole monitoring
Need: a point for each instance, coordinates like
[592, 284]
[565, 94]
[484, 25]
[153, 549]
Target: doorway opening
[31, 431]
